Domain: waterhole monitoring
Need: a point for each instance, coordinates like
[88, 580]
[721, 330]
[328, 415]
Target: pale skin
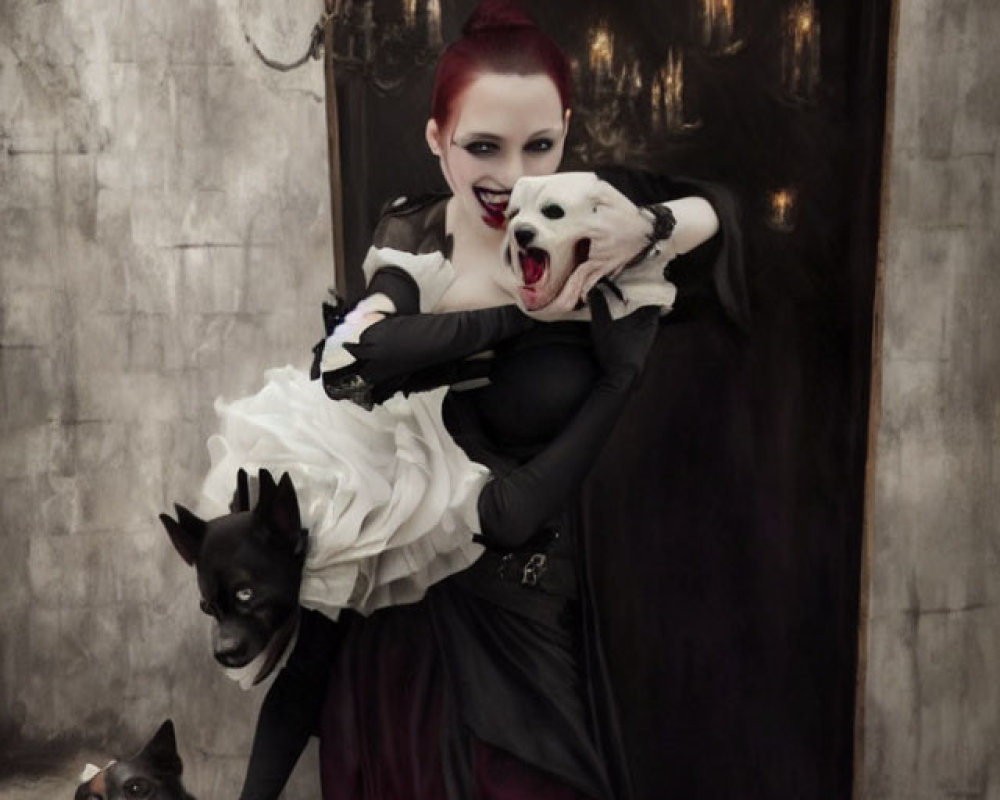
[503, 127]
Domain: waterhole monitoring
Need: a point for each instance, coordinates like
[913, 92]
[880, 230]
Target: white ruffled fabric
[389, 499]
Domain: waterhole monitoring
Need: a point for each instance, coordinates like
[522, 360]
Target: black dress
[492, 686]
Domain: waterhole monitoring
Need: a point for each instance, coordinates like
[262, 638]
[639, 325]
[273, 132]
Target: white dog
[548, 220]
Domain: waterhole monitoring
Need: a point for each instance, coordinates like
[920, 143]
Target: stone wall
[931, 724]
[164, 237]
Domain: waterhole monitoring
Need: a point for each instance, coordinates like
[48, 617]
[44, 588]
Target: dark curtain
[724, 520]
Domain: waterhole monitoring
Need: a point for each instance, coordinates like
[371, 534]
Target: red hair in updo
[498, 37]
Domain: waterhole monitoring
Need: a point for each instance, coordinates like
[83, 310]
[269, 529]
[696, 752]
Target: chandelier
[384, 52]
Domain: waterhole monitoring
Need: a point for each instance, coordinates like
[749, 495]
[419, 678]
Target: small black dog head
[249, 566]
[154, 773]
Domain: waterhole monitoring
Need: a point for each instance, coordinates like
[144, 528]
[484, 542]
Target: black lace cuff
[346, 384]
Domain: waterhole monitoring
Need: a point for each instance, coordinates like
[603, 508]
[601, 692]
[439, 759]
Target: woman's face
[501, 127]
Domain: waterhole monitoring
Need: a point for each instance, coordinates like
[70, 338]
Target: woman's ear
[433, 135]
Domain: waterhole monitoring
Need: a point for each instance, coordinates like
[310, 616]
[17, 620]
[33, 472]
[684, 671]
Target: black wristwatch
[664, 223]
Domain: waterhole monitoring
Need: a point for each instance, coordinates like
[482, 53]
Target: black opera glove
[515, 506]
[621, 346]
[396, 347]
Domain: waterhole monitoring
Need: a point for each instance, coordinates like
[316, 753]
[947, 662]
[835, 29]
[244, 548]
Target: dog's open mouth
[534, 262]
[538, 289]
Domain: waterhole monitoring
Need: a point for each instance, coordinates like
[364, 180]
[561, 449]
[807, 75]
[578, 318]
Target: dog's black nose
[524, 235]
[231, 650]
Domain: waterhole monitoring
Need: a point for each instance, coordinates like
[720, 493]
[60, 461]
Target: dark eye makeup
[539, 146]
[485, 147]
[480, 147]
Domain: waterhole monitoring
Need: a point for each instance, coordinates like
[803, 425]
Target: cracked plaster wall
[164, 237]
[932, 696]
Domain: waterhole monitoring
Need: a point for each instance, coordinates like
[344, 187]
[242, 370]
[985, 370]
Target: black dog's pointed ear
[187, 533]
[278, 508]
[241, 500]
[265, 489]
[161, 751]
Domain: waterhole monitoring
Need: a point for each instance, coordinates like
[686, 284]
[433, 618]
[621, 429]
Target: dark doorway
[726, 562]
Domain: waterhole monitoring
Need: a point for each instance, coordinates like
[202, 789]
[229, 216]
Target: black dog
[249, 566]
[154, 773]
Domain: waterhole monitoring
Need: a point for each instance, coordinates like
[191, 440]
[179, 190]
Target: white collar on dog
[247, 675]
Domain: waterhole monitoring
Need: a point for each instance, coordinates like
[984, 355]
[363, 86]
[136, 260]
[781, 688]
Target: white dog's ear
[433, 135]
[600, 193]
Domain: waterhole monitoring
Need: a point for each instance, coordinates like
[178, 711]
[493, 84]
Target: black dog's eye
[137, 787]
[244, 594]
[205, 607]
[552, 211]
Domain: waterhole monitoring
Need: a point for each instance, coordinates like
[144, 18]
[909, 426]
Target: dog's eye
[137, 787]
[552, 211]
[244, 594]
[512, 212]
[206, 607]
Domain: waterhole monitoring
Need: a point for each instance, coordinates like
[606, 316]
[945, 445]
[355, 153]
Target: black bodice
[537, 383]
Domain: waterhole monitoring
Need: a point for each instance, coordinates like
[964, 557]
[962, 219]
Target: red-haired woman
[489, 687]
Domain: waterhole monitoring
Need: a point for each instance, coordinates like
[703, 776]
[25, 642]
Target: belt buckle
[534, 569]
[527, 572]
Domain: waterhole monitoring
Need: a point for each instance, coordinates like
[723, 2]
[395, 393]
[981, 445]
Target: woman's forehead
[508, 105]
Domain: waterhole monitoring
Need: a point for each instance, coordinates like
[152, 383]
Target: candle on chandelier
[630, 80]
[434, 39]
[410, 13]
[602, 52]
[667, 94]
[800, 52]
[718, 18]
[781, 211]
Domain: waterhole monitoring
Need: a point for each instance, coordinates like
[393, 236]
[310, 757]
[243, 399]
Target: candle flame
[801, 51]
[782, 209]
[602, 49]
[781, 201]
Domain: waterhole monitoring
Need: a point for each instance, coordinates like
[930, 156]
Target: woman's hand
[618, 230]
[621, 345]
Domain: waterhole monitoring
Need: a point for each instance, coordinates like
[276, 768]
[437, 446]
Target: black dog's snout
[231, 649]
[233, 654]
[524, 235]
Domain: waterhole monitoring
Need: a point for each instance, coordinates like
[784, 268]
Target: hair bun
[497, 15]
